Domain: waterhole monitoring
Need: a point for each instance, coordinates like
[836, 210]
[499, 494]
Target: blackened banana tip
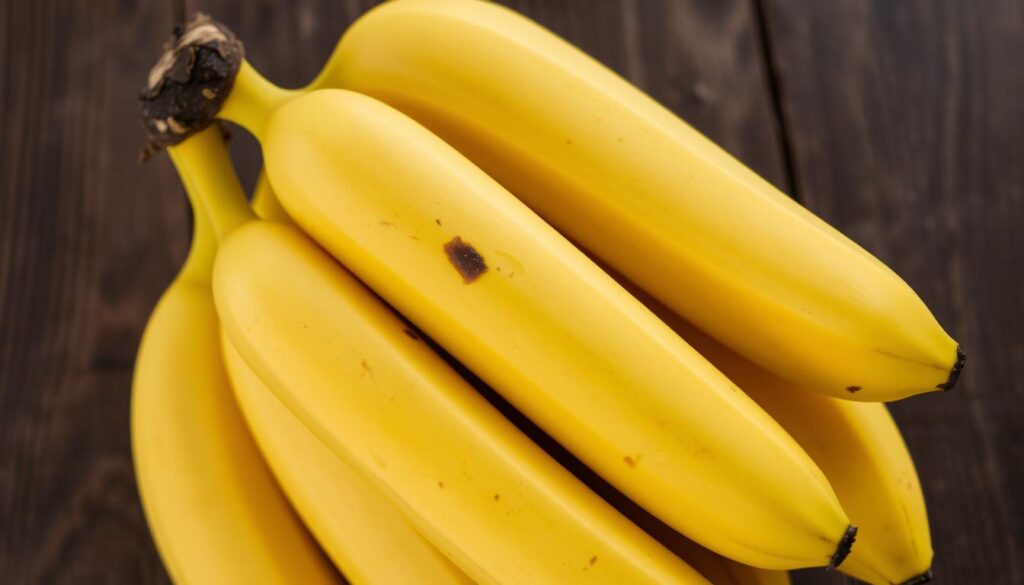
[845, 544]
[958, 367]
[925, 577]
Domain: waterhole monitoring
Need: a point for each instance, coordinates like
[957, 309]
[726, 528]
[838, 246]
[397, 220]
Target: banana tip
[925, 577]
[954, 374]
[845, 544]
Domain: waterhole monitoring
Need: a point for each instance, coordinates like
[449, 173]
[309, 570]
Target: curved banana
[622, 176]
[358, 527]
[520, 306]
[357, 376]
[716, 568]
[214, 509]
[365, 535]
[861, 451]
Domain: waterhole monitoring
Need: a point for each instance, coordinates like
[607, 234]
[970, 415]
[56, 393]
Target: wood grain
[907, 127]
[901, 123]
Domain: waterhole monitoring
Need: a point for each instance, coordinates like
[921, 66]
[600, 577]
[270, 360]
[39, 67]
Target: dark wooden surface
[902, 123]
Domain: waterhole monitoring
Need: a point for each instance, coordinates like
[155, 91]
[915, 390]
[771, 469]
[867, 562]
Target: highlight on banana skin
[494, 315]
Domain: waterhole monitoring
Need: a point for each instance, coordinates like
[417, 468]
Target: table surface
[901, 123]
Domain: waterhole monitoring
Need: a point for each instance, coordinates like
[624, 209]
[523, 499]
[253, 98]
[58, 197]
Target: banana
[362, 532]
[714, 567]
[392, 409]
[359, 528]
[214, 509]
[520, 306]
[859, 448]
[626, 179]
[379, 397]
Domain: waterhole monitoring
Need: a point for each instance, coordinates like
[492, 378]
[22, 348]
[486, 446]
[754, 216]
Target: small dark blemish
[414, 238]
[385, 223]
[437, 221]
[440, 484]
[466, 260]
[411, 333]
[568, 141]
[366, 368]
[593, 560]
[853, 389]
[497, 497]
[630, 462]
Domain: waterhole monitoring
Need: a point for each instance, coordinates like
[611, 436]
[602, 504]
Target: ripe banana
[649, 195]
[364, 534]
[358, 527]
[859, 448]
[714, 567]
[520, 306]
[383, 401]
[214, 509]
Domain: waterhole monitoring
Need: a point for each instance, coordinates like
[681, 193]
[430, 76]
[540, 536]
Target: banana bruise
[212, 505]
[364, 382]
[508, 296]
[650, 196]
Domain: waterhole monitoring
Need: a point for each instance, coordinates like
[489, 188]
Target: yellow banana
[859, 448]
[519, 305]
[714, 567]
[650, 196]
[383, 401]
[359, 528]
[214, 509]
[365, 535]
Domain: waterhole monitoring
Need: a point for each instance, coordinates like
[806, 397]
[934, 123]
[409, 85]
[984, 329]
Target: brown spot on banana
[465, 258]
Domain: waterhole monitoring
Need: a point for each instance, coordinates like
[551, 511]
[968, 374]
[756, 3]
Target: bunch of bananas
[496, 316]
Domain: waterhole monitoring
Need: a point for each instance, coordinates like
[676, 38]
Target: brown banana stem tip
[189, 82]
[843, 550]
[921, 579]
[958, 367]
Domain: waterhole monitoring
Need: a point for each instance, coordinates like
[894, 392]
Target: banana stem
[218, 194]
[252, 99]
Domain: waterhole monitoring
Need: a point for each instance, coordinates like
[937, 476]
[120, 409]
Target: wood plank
[905, 121]
[89, 239]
